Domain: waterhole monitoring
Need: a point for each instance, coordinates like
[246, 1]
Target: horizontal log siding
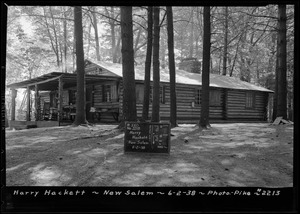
[236, 105]
[98, 102]
[185, 96]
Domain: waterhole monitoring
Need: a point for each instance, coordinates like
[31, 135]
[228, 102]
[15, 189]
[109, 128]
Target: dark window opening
[106, 93]
[197, 96]
[250, 100]
[161, 94]
[214, 98]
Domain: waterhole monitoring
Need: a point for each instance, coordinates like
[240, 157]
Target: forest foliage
[40, 39]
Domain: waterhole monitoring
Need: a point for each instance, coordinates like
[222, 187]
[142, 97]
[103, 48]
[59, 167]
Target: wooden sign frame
[147, 137]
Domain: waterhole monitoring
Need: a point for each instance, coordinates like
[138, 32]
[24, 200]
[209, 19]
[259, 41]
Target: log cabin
[230, 99]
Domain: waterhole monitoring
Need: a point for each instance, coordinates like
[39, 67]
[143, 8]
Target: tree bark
[148, 65]
[275, 97]
[89, 40]
[282, 64]
[204, 118]
[129, 96]
[96, 34]
[191, 51]
[80, 97]
[65, 42]
[173, 104]
[156, 76]
[54, 48]
[163, 51]
[225, 42]
[55, 37]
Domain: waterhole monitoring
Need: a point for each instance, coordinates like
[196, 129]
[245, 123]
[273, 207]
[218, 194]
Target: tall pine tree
[156, 76]
[148, 65]
[129, 97]
[204, 118]
[80, 97]
[170, 29]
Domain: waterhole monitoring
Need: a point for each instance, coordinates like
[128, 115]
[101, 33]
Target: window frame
[106, 98]
[214, 98]
[198, 93]
[250, 97]
[197, 97]
[162, 97]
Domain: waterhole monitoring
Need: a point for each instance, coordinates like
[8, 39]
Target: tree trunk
[55, 50]
[275, 97]
[65, 42]
[225, 42]
[89, 40]
[55, 37]
[148, 65]
[96, 34]
[170, 29]
[113, 35]
[191, 51]
[235, 56]
[117, 51]
[156, 76]
[204, 118]
[282, 64]
[80, 97]
[163, 51]
[129, 97]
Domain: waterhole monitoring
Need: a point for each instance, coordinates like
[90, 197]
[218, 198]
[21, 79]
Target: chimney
[191, 65]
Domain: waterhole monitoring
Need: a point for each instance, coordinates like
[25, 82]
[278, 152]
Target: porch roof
[49, 81]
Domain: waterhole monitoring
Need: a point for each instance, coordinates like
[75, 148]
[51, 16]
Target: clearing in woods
[239, 154]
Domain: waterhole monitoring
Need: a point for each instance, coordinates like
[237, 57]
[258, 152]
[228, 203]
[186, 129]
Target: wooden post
[60, 99]
[37, 104]
[13, 103]
[28, 105]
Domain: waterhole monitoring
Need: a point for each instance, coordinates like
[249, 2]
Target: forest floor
[238, 154]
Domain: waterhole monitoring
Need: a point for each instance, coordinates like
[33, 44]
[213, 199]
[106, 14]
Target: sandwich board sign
[147, 137]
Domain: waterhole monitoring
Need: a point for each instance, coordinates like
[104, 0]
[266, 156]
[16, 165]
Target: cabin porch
[54, 100]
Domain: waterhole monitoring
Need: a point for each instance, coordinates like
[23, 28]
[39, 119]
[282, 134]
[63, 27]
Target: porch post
[37, 103]
[28, 105]
[13, 103]
[60, 98]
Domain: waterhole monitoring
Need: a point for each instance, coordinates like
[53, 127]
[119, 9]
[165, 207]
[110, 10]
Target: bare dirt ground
[239, 154]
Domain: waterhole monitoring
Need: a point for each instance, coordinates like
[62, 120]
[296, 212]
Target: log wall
[186, 107]
[237, 105]
[232, 104]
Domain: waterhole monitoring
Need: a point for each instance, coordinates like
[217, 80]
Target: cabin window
[106, 93]
[109, 93]
[214, 98]
[139, 92]
[250, 100]
[197, 96]
[161, 94]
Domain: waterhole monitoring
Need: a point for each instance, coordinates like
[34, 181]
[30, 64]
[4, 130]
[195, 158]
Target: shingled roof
[184, 77]
[114, 71]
